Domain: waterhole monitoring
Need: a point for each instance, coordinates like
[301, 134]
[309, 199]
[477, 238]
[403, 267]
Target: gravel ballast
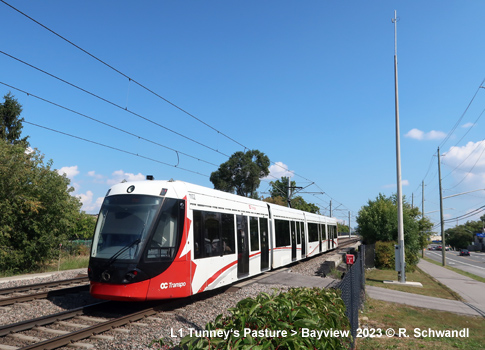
[166, 325]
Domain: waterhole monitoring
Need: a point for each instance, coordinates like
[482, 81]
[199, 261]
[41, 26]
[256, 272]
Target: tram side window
[282, 233]
[253, 233]
[212, 239]
[333, 231]
[312, 232]
[198, 234]
[228, 234]
[213, 234]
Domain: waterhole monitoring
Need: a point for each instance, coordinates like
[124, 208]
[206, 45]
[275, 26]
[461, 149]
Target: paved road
[472, 292]
[475, 263]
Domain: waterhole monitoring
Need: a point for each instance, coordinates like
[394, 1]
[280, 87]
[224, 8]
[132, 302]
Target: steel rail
[84, 333]
[44, 320]
[43, 295]
[43, 285]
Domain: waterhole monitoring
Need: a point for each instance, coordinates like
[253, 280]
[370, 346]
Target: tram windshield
[123, 225]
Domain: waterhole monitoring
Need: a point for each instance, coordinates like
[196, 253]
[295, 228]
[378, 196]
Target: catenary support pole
[400, 223]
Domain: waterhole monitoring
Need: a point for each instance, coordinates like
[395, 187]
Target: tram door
[320, 237]
[242, 246]
[303, 240]
[264, 240]
[293, 240]
[331, 236]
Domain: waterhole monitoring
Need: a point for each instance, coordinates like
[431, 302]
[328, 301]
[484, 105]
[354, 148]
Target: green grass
[76, 262]
[383, 315]
[68, 262]
[431, 287]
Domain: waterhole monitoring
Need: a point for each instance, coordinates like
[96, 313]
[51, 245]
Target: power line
[106, 124]
[473, 166]
[123, 74]
[113, 148]
[131, 112]
[112, 103]
[131, 80]
[461, 117]
[467, 215]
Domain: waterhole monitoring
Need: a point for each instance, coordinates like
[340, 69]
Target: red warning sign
[349, 259]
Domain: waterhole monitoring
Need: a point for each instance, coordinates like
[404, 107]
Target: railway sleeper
[24, 337]
[8, 347]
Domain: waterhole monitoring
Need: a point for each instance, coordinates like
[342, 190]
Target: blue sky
[310, 84]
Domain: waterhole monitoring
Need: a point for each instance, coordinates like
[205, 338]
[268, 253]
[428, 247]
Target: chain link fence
[352, 287]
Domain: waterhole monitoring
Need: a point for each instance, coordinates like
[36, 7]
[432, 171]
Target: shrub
[385, 256]
[279, 321]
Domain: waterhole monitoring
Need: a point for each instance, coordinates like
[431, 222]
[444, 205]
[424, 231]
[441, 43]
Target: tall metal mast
[400, 262]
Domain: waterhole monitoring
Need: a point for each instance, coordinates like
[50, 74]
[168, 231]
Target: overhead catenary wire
[123, 74]
[113, 104]
[130, 79]
[106, 124]
[113, 148]
[132, 112]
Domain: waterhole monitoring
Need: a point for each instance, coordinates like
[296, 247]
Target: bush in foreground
[301, 318]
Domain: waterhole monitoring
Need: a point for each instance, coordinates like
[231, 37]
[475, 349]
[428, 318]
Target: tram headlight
[130, 276]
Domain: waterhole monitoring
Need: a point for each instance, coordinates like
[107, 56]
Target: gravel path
[139, 334]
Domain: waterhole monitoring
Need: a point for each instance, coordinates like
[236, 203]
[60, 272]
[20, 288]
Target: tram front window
[164, 242]
[123, 224]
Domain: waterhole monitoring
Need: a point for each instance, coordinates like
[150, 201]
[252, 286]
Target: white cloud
[403, 183]
[87, 200]
[467, 125]
[278, 170]
[467, 161]
[120, 175]
[70, 171]
[415, 134]
[421, 135]
[97, 178]
[92, 173]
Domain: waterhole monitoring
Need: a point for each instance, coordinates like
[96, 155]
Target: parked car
[464, 252]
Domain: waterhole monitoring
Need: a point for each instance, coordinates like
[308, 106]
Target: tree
[276, 200]
[342, 228]
[37, 212]
[461, 236]
[279, 191]
[299, 203]
[280, 188]
[242, 173]
[378, 222]
[10, 121]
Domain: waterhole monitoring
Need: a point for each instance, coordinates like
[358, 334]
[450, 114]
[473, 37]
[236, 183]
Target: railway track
[70, 327]
[10, 296]
[85, 327]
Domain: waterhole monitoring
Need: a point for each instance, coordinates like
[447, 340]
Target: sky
[121, 90]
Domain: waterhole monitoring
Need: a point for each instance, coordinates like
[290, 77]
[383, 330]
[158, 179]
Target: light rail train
[171, 239]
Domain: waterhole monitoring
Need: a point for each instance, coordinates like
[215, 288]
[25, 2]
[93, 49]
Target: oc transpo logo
[168, 285]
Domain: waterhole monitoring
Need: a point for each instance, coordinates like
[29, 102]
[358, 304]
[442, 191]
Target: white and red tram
[172, 239]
